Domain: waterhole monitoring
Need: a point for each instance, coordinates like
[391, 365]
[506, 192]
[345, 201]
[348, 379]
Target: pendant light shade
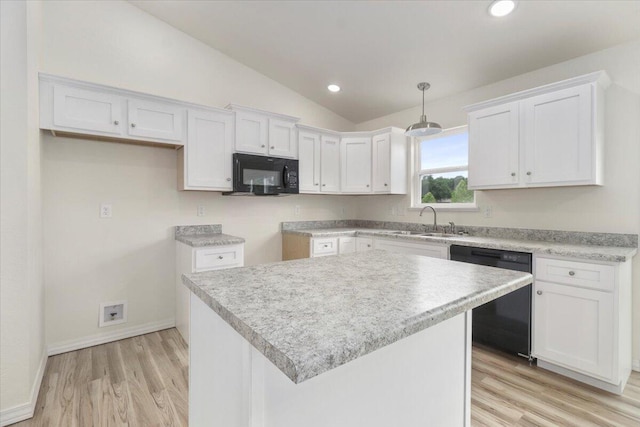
[423, 127]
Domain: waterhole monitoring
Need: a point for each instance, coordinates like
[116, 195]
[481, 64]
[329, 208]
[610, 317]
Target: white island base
[422, 380]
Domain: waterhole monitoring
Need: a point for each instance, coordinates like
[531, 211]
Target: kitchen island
[365, 339]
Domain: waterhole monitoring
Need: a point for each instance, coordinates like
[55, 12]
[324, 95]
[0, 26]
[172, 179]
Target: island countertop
[311, 315]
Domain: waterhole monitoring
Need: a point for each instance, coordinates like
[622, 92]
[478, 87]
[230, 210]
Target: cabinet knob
[272, 147]
[367, 185]
[115, 122]
[572, 273]
[220, 257]
[263, 145]
[316, 184]
[324, 185]
[228, 179]
[133, 125]
[539, 292]
[513, 174]
[368, 246]
[529, 173]
[385, 184]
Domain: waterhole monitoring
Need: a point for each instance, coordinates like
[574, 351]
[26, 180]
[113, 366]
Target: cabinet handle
[272, 147]
[133, 125]
[115, 122]
[220, 257]
[513, 174]
[324, 185]
[385, 184]
[529, 173]
[228, 179]
[263, 145]
[367, 185]
[368, 246]
[316, 184]
[572, 273]
[539, 292]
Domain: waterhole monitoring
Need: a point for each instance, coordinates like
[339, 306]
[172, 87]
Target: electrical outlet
[112, 313]
[296, 210]
[105, 210]
[488, 211]
[201, 210]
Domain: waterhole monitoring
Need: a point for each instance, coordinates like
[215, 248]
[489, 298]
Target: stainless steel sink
[423, 233]
[438, 234]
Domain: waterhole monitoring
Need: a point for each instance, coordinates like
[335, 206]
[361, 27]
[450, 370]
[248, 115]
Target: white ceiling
[379, 51]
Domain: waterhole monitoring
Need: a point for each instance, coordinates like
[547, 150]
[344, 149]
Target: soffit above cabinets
[376, 51]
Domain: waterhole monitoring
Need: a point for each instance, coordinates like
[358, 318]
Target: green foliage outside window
[445, 190]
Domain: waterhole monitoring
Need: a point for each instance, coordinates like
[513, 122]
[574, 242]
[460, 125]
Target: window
[442, 169]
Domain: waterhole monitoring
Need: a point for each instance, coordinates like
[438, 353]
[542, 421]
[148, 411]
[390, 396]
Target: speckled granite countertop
[205, 235]
[586, 252]
[311, 315]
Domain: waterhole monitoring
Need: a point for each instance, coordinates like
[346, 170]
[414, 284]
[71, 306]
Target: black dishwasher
[504, 323]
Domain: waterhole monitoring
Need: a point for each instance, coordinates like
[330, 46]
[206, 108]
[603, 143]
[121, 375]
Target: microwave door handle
[237, 179]
[285, 176]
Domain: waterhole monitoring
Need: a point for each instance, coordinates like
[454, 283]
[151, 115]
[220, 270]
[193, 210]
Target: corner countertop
[586, 252]
[311, 315]
[205, 235]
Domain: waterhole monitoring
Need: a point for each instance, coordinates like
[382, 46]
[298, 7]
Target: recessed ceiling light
[500, 8]
[334, 88]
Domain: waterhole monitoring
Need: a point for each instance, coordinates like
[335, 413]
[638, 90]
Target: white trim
[598, 77]
[636, 365]
[26, 410]
[236, 107]
[91, 340]
[446, 207]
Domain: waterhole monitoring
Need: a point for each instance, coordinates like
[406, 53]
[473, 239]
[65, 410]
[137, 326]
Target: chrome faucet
[435, 217]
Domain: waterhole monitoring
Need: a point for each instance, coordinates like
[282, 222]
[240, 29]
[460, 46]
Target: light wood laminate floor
[142, 381]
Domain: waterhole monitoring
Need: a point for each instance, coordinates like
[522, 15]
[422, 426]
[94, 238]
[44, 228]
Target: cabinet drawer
[323, 247]
[218, 257]
[584, 275]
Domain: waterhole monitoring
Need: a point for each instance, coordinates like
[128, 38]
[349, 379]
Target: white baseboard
[91, 340]
[26, 410]
[636, 365]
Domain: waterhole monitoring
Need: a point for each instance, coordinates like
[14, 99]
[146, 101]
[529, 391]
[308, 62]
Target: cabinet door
[364, 244]
[574, 328]
[251, 133]
[381, 145]
[329, 164]
[154, 120]
[347, 245]
[309, 162]
[355, 159]
[87, 111]
[208, 150]
[282, 139]
[494, 147]
[557, 137]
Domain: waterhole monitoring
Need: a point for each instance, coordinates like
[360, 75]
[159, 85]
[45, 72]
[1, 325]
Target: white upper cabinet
[547, 136]
[252, 133]
[355, 163]
[309, 162]
[389, 160]
[329, 164]
[494, 147]
[80, 110]
[558, 141]
[265, 133]
[282, 139]
[155, 120]
[206, 159]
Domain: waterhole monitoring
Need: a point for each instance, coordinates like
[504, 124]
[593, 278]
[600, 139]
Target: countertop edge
[219, 240]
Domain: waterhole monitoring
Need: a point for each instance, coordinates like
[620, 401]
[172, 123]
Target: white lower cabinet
[582, 320]
[195, 260]
[323, 246]
[364, 244]
[425, 249]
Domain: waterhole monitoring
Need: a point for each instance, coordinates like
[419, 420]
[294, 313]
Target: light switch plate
[106, 210]
[201, 210]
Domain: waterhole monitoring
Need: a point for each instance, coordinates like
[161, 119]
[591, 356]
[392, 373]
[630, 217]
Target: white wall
[614, 208]
[132, 255]
[21, 311]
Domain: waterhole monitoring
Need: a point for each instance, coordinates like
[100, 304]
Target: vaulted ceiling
[377, 51]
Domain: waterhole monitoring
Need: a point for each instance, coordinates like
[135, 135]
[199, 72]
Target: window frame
[416, 173]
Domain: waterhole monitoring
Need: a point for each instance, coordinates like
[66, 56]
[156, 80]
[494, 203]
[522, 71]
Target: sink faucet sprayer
[435, 217]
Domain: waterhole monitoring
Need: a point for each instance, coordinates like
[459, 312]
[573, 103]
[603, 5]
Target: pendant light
[423, 127]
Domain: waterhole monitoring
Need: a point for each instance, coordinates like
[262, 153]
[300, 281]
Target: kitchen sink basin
[438, 234]
[422, 233]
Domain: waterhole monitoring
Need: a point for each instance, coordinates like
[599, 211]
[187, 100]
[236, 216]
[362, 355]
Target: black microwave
[264, 176]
